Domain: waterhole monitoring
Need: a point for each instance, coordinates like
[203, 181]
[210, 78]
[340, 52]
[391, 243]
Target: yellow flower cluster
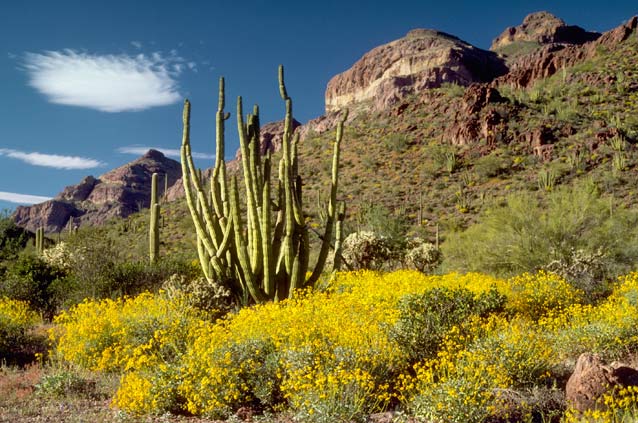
[16, 318]
[535, 295]
[17, 313]
[329, 355]
[115, 335]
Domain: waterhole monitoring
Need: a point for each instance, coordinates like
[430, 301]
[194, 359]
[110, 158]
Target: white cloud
[109, 83]
[22, 198]
[136, 44]
[52, 160]
[140, 150]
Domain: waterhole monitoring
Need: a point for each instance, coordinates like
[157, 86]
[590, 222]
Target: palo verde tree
[260, 253]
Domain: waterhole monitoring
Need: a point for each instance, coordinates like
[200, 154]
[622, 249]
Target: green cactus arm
[154, 233]
[341, 215]
[327, 237]
[187, 172]
[219, 187]
[241, 248]
[252, 216]
[266, 227]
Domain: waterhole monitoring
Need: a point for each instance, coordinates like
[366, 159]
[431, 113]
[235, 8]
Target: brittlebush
[330, 355]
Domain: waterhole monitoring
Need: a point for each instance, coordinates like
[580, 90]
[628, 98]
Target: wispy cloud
[52, 160]
[140, 150]
[109, 83]
[136, 44]
[13, 197]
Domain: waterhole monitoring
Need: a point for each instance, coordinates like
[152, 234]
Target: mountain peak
[154, 154]
[424, 58]
[117, 193]
[543, 28]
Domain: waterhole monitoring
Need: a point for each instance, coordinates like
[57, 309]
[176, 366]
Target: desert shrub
[425, 319]
[491, 165]
[111, 335]
[13, 239]
[454, 347]
[200, 293]
[16, 319]
[366, 250]
[525, 235]
[537, 295]
[423, 256]
[609, 328]
[31, 279]
[385, 223]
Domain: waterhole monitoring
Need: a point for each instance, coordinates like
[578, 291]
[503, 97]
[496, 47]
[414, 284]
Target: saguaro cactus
[261, 253]
[153, 232]
[39, 240]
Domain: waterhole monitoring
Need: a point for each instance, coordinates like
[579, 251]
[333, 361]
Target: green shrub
[425, 319]
[34, 281]
[13, 239]
[526, 234]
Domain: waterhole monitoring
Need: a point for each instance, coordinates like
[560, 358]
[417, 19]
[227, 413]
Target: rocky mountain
[423, 59]
[117, 193]
[543, 28]
[549, 100]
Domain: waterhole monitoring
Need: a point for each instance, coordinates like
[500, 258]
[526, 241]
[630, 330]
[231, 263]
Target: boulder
[592, 379]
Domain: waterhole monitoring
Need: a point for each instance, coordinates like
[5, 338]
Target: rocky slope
[421, 60]
[117, 193]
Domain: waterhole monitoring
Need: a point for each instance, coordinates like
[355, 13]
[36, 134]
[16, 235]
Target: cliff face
[422, 59]
[117, 193]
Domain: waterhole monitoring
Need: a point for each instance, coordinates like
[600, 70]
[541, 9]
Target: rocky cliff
[543, 28]
[117, 193]
[422, 59]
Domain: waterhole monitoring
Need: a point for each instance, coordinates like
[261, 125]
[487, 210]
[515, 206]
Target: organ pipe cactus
[153, 232]
[260, 252]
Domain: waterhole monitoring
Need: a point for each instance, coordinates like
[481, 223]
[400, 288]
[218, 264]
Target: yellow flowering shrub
[535, 295]
[333, 355]
[115, 335]
[454, 387]
[16, 318]
[609, 328]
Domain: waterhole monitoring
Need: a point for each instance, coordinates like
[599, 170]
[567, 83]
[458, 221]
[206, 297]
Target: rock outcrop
[119, 192]
[551, 58]
[592, 379]
[422, 59]
[543, 28]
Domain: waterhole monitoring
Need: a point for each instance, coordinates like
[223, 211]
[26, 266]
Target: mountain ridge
[506, 120]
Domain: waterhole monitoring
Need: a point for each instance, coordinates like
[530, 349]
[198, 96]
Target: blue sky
[87, 85]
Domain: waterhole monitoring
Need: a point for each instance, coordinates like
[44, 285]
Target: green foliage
[397, 142]
[13, 239]
[425, 319]
[526, 234]
[31, 279]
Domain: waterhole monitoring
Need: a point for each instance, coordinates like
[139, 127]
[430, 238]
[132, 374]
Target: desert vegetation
[463, 285]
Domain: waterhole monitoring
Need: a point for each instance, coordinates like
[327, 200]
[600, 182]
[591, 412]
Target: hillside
[566, 110]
